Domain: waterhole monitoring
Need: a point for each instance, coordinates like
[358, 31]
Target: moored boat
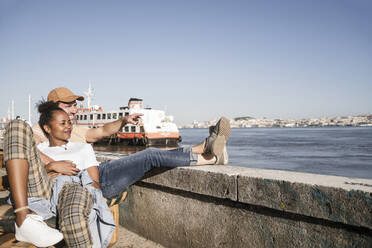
[156, 128]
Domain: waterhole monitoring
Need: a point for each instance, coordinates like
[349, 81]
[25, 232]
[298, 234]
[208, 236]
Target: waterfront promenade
[128, 239]
[230, 206]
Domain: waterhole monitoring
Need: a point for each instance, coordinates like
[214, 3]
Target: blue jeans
[117, 175]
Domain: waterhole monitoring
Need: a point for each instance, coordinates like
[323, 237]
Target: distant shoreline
[309, 127]
[251, 122]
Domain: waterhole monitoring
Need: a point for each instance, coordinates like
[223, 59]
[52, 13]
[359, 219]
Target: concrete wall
[226, 206]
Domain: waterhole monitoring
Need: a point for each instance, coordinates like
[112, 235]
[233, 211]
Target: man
[67, 101]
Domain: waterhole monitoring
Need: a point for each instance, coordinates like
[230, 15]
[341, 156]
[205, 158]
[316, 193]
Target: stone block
[189, 220]
[215, 181]
[339, 199]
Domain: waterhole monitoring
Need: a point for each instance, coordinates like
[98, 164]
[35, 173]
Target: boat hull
[151, 139]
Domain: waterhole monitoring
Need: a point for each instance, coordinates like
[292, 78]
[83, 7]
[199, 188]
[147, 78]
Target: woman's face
[60, 127]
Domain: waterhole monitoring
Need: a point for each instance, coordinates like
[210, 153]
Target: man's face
[70, 108]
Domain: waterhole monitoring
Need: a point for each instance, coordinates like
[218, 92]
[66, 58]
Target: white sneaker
[35, 231]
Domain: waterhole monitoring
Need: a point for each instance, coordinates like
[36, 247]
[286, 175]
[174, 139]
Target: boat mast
[89, 95]
[9, 112]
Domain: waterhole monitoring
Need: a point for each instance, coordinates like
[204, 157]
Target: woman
[31, 189]
[57, 126]
[113, 177]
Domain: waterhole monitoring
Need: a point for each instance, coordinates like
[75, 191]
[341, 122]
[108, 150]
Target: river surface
[330, 151]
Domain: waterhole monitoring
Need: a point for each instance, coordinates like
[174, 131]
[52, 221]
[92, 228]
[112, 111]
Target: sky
[196, 59]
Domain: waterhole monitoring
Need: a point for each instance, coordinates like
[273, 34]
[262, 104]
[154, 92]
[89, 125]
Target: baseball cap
[63, 95]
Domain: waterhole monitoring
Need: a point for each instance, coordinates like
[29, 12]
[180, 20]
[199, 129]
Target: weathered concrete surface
[128, 239]
[225, 206]
[221, 184]
[339, 199]
[189, 220]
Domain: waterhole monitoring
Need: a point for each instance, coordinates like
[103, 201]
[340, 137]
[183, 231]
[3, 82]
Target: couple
[77, 198]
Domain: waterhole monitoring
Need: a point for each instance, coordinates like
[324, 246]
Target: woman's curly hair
[46, 110]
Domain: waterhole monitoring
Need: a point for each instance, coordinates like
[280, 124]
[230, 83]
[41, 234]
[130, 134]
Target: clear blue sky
[198, 59]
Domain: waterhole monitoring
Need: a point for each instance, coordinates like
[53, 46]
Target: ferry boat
[156, 128]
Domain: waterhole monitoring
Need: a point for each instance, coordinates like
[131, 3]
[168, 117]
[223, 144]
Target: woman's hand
[64, 167]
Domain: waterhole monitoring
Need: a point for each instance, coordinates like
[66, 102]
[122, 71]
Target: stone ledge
[338, 199]
[205, 182]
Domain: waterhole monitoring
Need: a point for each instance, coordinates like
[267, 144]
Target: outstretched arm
[95, 134]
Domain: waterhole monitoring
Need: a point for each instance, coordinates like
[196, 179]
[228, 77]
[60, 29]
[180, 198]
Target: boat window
[98, 116]
[114, 116]
[103, 116]
[120, 115]
[142, 130]
[91, 117]
[108, 116]
[126, 113]
[133, 129]
[81, 117]
[126, 129]
[85, 117]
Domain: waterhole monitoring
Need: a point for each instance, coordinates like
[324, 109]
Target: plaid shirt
[19, 144]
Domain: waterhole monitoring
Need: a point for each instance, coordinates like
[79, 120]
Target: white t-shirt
[81, 154]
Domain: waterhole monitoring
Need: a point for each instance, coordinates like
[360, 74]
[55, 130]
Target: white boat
[157, 128]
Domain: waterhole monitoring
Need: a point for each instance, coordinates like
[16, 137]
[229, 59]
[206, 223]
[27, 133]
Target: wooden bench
[7, 216]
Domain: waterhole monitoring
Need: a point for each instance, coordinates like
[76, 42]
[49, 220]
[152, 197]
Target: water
[330, 151]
